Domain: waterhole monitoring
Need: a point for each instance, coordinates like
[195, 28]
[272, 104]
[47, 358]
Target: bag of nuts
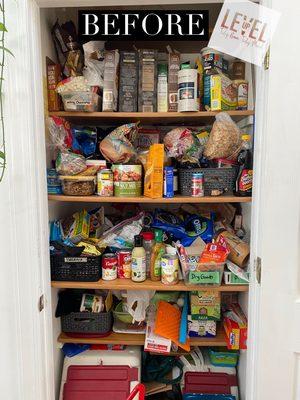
[224, 140]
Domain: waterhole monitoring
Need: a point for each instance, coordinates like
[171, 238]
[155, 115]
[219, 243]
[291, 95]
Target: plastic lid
[158, 235]
[138, 241]
[95, 162]
[148, 235]
[76, 178]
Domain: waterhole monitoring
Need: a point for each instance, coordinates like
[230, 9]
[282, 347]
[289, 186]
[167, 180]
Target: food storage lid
[96, 162]
[76, 178]
[148, 235]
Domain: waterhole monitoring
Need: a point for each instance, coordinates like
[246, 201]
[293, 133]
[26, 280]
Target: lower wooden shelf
[127, 284]
[138, 340]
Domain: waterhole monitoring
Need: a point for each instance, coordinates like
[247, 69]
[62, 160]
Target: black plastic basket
[79, 269]
[87, 323]
[214, 179]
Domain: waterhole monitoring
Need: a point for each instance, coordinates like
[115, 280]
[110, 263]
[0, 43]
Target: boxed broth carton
[110, 86]
[147, 101]
[173, 68]
[128, 86]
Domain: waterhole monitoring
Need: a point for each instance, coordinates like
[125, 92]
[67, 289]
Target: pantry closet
[59, 207]
[62, 206]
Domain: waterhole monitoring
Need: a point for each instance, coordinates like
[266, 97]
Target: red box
[235, 325]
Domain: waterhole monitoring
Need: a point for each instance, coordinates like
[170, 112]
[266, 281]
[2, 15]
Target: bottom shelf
[138, 340]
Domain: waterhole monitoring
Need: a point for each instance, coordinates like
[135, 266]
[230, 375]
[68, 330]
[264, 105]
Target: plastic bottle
[245, 176]
[138, 263]
[148, 244]
[158, 251]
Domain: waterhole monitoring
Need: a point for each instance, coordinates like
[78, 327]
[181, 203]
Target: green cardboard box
[205, 305]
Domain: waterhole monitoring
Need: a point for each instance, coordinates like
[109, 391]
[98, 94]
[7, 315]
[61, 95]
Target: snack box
[53, 77]
[110, 85]
[235, 325]
[79, 228]
[205, 305]
[223, 93]
[201, 328]
[173, 68]
[231, 279]
[128, 88]
[147, 98]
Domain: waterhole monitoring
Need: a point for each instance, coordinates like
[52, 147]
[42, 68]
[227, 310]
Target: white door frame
[27, 17]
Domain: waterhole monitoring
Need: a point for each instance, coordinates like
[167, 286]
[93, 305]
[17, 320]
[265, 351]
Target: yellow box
[223, 93]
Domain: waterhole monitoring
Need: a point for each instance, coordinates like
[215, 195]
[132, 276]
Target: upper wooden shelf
[142, 199]
[151, 117]
[139, 340]
[127, 284]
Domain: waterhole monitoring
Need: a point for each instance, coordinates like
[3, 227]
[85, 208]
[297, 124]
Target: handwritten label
[201, 278]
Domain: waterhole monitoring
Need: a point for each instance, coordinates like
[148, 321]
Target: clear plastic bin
[205, 274]
[78, 185]
[81, 101]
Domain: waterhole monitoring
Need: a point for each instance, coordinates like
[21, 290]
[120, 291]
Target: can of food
[105, 183]
[188, 94]
[109, 266]
[127, 180]
[91, 303]
[168, 182]
[197, 184]
[124, 264]
[169, 269]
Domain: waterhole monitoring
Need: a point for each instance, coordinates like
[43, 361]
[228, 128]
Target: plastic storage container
[222, 179]
[223, 357]
[81, 101]
[78, 185]
[87, 323]
[75, 269]
[205, 274]
[130, 356]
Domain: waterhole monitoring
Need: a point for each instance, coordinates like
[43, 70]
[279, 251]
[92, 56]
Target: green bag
[156, 368]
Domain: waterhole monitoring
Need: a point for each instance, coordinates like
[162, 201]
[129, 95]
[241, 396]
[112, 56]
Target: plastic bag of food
[73, 84]
[84, 140]
[68, 163]
[94, 62]
[60, 135]
[122, 235]
[183, 145]
[224, 140]
[117, 146]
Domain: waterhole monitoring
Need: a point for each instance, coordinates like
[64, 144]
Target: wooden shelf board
[138, 340]
[142, 199]
[127, 284]
[160, 117]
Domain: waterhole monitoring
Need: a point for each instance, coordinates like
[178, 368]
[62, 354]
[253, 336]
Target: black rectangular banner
[143, 25]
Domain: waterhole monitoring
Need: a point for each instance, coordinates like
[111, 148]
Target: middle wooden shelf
[127, 284]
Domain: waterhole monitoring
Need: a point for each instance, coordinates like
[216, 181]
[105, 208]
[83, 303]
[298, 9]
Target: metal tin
[168, 182]
[124, 264]
[105, 183]
[109, 266]
[169, 269]
[197, 184]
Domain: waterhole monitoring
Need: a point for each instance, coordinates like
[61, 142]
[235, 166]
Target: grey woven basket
[87, 322]
[214, 179]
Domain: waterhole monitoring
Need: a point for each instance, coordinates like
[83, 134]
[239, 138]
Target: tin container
[197, 184]
[127, 180]
[188, 94]
[169, 269]
[105, 183]
[109, 267]
[168, 182]
[124, 264]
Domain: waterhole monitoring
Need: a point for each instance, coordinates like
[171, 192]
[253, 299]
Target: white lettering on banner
[177, 23]
[144, 24]
[128, 23]
[112, 23]
[88, 23]
[244, 30]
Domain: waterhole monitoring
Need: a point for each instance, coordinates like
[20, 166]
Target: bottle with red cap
[148, 245]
